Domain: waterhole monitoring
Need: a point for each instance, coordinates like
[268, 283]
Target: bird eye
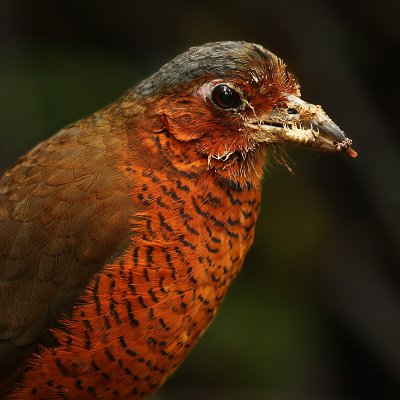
[225, 97]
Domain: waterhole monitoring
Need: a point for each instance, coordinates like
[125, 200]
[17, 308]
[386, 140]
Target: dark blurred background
[315, 314]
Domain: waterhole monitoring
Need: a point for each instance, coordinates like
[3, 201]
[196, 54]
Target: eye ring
[225, 97]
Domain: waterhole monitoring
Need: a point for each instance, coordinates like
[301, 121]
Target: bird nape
[120, 235]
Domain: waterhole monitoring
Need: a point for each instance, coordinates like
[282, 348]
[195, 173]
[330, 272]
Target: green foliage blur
[315, 313]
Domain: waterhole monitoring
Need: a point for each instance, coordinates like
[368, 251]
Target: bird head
[227, 103]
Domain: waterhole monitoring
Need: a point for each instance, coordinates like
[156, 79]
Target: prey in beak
[301, 123]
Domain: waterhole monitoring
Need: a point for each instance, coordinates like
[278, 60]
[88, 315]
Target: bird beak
[302, 123]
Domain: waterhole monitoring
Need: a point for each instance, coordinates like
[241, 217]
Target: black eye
[225, 97]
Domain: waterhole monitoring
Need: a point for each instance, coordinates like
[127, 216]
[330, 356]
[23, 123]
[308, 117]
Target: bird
[120, 234]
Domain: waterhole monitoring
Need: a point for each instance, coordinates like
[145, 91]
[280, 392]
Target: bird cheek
[184, 118]
[182, 127]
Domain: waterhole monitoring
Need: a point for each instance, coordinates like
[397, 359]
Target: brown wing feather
[64, 214]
